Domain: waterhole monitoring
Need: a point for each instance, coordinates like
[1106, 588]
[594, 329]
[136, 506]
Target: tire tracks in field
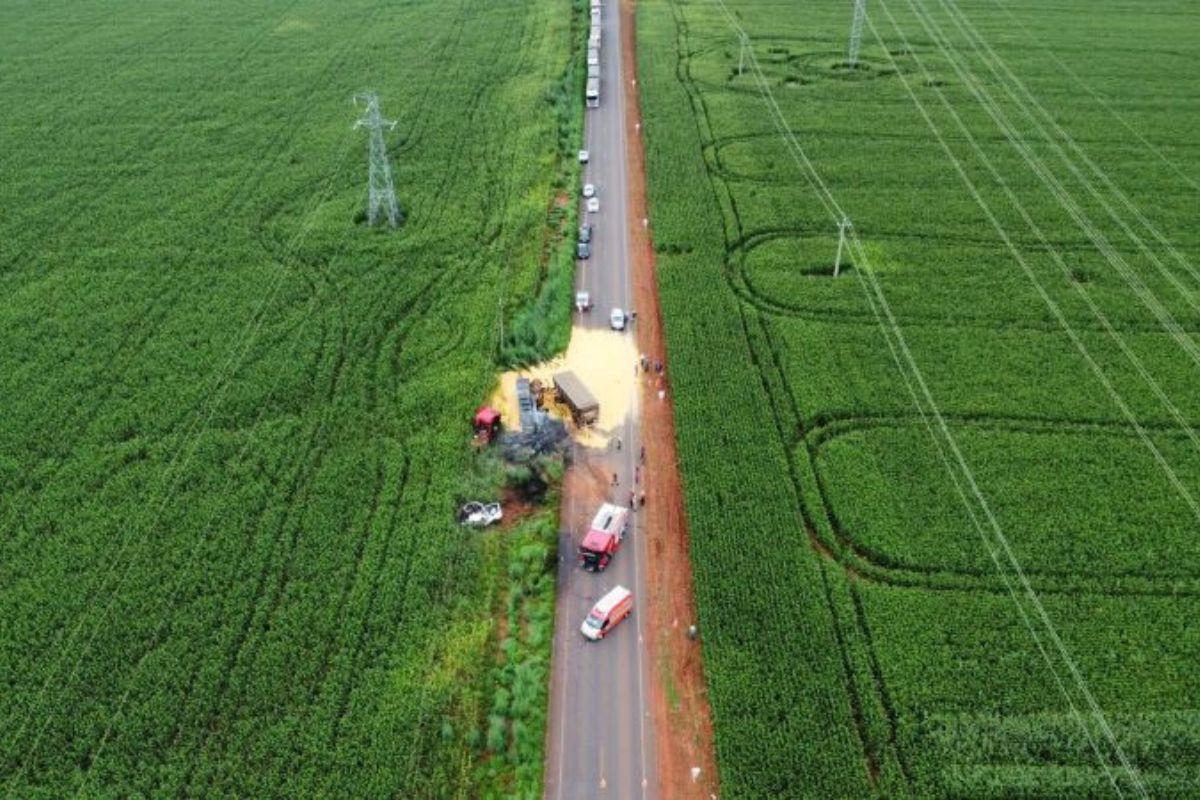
[357, 667]
[308, 466]
[795, 429]
[284, 134]
[738, 277]
[469, 278]
[150, 139]
[387, 349]
[267, 597]
[260, 611]
[890, 569]
[138, 336]
[162, 306]
[724, 199]
[375, 344]
[344, 366]
[312, 456]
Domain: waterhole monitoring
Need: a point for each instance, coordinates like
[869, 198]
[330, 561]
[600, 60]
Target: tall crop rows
[234, 417]
[943, 508]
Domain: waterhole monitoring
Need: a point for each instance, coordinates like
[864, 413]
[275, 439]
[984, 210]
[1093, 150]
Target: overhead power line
[996, 542]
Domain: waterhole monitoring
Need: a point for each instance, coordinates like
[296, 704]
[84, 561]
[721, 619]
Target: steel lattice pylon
[860, 13]
[381, 194]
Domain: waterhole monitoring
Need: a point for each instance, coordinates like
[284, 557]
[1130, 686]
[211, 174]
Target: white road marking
[603, 781]
[635, 415]
[562, 705]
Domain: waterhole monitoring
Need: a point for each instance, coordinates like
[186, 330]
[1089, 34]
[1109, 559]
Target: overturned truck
[571, 392]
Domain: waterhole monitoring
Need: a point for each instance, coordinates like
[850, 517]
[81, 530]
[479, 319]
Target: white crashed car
[479, 515]
[593, 204]
[589, 190]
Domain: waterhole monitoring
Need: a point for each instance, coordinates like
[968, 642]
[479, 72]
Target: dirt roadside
[678, 693]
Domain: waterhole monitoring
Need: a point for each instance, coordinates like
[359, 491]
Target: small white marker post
[843, 226]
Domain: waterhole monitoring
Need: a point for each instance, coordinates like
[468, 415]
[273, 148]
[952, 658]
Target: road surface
[600, 736]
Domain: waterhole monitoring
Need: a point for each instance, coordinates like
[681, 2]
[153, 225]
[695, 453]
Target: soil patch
[516, 508]
[679, 694]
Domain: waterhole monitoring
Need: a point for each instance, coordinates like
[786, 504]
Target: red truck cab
[604, 537]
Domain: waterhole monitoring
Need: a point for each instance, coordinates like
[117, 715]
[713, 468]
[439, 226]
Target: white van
[608, 613]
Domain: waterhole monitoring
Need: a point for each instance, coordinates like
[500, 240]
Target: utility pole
[745, 45]
[860, 14]
[843, 226]
[381, 195]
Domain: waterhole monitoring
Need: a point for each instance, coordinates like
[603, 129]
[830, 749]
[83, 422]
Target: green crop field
[943, 508]
[234, 418]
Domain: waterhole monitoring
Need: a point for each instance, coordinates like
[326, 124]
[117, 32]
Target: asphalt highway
[600, 736]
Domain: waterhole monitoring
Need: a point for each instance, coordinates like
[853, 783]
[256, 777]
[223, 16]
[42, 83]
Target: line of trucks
[592, 93]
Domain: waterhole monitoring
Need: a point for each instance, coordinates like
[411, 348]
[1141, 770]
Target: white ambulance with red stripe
[608, 613]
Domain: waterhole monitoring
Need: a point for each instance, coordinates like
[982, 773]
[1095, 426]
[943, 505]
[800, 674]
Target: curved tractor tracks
[802, 440]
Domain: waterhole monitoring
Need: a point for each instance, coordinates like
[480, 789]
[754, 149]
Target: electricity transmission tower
[843, 225]
[860, 13]
[381, 193]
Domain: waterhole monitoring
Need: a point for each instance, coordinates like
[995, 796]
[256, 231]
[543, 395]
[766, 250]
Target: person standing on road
[616, 479]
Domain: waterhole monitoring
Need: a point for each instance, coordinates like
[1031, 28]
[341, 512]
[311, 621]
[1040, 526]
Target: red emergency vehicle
[604, 537]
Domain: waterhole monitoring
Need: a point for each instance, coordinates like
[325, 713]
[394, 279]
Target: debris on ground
[548, 439]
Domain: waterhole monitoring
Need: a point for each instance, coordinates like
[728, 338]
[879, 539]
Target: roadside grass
[509, 735]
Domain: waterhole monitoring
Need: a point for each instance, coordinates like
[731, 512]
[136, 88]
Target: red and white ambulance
[607, 613]
[604, 537]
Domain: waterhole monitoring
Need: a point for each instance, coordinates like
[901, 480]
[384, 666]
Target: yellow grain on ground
[604, 360]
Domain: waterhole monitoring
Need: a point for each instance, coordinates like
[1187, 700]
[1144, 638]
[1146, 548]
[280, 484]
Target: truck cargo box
[585, 409]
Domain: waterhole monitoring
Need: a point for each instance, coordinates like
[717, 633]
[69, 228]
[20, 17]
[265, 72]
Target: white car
[583, 156]
[616, 319]
[589, 190]
[593, 204]
[480, 515]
